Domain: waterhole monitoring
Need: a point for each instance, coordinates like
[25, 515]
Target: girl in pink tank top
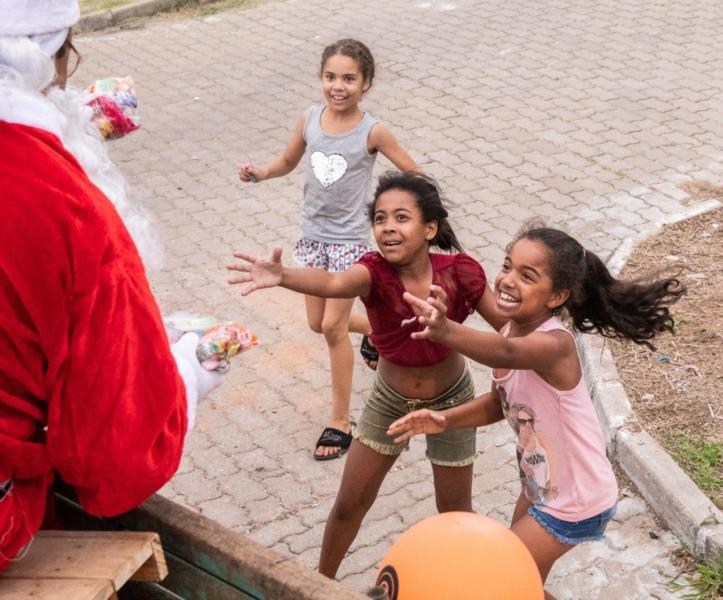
[568, 490]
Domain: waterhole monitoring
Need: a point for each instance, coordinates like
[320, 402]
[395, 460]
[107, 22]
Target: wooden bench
[205, 560]
[83, 565]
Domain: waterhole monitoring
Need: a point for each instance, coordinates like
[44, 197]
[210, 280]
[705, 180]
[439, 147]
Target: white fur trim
[26, 108]
[33, 17]
[188, 375]
[50, 43]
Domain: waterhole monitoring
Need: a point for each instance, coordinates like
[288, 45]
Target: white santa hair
[29, 38]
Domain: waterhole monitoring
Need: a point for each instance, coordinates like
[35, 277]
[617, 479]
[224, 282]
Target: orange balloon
[459, 556]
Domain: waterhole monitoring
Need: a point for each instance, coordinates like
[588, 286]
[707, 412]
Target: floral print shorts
[329, 256]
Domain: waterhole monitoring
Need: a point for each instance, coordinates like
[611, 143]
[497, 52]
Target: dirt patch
[677, 389]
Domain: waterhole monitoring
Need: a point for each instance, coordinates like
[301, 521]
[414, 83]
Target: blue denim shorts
[574, 532]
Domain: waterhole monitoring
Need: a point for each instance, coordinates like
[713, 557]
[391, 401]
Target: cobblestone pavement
[587, 113]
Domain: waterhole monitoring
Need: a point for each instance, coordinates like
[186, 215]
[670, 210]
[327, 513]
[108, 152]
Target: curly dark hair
[355, 50]
[636, 310]
[430, 201]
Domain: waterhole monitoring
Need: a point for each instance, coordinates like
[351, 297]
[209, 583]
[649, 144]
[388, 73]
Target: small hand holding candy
[257, 272]
[249, 173]
[432, 313]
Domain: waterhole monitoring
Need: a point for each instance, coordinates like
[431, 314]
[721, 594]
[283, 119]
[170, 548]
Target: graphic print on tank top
[328, 168]
[533, 458]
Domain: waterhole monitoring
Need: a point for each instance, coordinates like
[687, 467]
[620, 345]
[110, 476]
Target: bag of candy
[221, 343]
[115, 106]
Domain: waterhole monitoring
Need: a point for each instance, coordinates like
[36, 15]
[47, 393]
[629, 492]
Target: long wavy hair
[636, 310]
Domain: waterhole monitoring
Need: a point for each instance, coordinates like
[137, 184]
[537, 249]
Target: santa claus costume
[89, 387]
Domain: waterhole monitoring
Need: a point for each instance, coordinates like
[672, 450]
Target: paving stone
[589, 115]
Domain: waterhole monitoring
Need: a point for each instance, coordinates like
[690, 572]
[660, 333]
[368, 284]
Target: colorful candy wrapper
[115, 105]
[221, 343]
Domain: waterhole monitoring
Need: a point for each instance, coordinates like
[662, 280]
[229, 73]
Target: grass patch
[89, 6]
[703, 462]
[706, 583]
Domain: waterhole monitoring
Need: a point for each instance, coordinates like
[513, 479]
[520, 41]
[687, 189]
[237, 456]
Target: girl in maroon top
[408, 216]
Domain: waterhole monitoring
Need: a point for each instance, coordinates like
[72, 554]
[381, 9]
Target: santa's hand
[419, 421]
[432, 313]
[198, 381]
[257, 272]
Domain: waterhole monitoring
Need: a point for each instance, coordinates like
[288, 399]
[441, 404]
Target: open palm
[256, 272]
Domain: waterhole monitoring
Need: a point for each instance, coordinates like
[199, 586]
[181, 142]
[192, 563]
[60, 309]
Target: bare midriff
[422, 383]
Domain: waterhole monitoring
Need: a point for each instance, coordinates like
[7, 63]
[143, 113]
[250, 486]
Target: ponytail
[429, 199]
[636, 310]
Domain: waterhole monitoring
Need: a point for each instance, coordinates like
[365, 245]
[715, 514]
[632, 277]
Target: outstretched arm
[259, 273]
[283, 164]
[483, 410]
[537, 351]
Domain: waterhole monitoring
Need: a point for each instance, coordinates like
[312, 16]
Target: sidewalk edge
[102, 19]
[675, 498]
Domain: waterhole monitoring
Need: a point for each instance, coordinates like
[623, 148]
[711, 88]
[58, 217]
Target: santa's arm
[117, 422]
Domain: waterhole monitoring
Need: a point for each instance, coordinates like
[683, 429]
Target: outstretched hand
[419, 421]
[257, 272]
[432, 313]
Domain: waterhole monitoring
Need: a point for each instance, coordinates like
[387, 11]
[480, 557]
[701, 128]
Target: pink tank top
[561, 455]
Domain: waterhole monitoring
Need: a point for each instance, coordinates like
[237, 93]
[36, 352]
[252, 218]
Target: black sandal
[333, 437]
[369, 352]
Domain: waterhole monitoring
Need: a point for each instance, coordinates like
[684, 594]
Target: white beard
[82, 139]
[24, 71]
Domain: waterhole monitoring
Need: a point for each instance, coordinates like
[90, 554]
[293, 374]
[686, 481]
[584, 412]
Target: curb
[675, 498]
[142, 8]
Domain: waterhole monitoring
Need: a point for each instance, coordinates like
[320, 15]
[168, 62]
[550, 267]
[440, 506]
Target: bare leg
[359, 323]
[543, 546]
[335, 326]
[364, 473]
[453, 488]
[314, 312]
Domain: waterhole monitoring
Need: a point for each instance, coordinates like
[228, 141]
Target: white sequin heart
[328, 169]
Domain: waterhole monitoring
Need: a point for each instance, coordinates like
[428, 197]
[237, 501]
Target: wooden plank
[232, 557]
[49, 589]
[188, 581]
[213, 555]
[108, 556]
[154, 569]
[148, 590]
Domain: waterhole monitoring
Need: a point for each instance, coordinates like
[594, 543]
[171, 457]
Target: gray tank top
[337, 190]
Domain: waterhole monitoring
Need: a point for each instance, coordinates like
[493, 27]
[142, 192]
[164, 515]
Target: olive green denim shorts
[452, 448]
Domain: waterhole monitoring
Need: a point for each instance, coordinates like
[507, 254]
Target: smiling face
[342, 83]
[523, 288]
[399, 227]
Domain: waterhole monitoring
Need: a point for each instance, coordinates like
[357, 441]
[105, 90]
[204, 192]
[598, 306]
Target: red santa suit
[88, 385]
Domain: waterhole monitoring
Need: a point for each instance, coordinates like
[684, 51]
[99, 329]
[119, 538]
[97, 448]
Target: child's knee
[335, 331]
[315, 326]
[351, 507]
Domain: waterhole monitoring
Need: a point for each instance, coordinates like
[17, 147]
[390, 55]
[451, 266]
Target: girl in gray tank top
[341, 143]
